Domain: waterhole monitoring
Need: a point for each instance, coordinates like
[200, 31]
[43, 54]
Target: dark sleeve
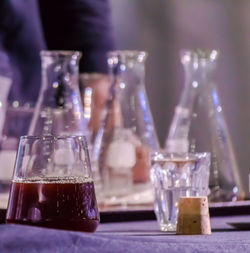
[82, 25]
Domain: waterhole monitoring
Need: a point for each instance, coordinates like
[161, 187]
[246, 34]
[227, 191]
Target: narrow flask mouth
[54, 138]
[126, 56]
[198, 54]
[60, 53]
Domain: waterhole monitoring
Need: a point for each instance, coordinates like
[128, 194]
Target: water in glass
[174, 176]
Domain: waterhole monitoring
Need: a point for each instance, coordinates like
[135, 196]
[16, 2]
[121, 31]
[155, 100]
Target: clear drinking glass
[174, 176]
[52, 184]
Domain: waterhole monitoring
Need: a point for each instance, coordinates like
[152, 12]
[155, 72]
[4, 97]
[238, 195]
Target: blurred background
[163, 27]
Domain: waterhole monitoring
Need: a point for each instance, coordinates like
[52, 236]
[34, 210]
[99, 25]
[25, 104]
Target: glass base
[169, 227]
[222, 195]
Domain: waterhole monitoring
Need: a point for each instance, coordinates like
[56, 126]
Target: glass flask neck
[199, 66]
[59, 73]
[59, 110]
[127, 66]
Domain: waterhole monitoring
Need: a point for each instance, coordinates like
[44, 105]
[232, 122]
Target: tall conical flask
[59, 110]
[198, 125]
[127, 135]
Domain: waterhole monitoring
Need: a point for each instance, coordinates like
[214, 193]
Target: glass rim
[128, 53]
[60, 53]
[53, 137]
[159, 156]
[200, 54]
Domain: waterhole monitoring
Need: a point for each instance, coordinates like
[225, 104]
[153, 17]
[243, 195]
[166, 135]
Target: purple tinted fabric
[22, 40]
[28, 26]
[82, 25]
[124, 237]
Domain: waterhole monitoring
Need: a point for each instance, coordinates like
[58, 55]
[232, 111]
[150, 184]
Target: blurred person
[26, 28]
[29, 26]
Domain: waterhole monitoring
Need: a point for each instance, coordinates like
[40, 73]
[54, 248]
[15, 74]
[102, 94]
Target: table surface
[140, 236]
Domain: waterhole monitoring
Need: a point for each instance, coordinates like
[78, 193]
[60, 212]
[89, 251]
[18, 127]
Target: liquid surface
[67, 203]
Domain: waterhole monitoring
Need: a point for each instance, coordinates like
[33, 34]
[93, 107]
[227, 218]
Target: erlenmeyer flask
[199, 125]
[127, 137]
[59, 110]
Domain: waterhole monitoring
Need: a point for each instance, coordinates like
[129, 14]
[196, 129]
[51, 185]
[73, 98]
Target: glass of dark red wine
[52, 185]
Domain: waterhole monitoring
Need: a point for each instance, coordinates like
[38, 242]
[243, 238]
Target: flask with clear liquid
[127, 135]
[198, 125]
